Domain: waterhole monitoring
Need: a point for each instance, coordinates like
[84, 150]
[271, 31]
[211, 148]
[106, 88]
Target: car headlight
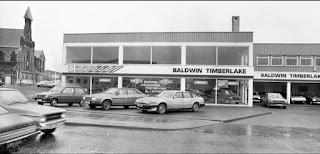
[83, 98]
[46, 96]
[313, 99]
[42, 119]
[63, 115]
[93, 98]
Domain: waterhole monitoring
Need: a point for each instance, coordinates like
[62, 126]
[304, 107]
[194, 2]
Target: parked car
[312, 98]
[224, 97]
[170, 100]
[26, 83]
[274, 99]
[62, 94]
[114, 97]
[15, 130]
[43, 83]
[256, 97]
[49, 118]
[53, 84]
[297, 98]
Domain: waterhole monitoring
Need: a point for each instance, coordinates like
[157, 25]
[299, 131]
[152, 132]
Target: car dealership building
[195, 61]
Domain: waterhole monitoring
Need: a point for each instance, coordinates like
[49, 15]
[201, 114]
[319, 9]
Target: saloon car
[15, 130]
[274, 99]
[48, 117]
[224, 97]
[312, 98]
[296, 98]
[60, 95]
[114, 97]
[170, 100]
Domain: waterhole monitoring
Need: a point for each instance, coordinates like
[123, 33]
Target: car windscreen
[111, 90]
[275, 96]
[166, 94]
[56, 89]
[11, 96]
[3, 110]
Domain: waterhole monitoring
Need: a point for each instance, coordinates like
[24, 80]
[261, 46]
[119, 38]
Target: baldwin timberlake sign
[287, 75]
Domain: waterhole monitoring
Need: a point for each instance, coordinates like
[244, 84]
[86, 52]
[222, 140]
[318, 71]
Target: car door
[78, 94]
[176, 102]
[131, 97]
[120, 98]
[187, 100]
[66, 95]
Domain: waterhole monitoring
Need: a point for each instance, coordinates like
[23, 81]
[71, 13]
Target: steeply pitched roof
[10, 37]
[38, 53]
[28, 14]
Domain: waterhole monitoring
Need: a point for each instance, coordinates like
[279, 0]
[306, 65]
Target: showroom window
[233, 56]
[100, 84]
[166, 55]
[105, 55]
[136, 55]
[291, 60]
[276, 60]
[317, 60]
[78, 55]
[201, 55]
[306, 60]
[219, 91]
[151, 86]
[262, 60]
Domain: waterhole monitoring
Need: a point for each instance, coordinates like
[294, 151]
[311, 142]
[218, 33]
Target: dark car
[312, 98]
[48, 117]
[62, 94]
[274, 99]
[224, 97]
[114, 97]
[15, 130]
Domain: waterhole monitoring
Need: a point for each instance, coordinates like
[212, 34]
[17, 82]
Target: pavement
[175, 120]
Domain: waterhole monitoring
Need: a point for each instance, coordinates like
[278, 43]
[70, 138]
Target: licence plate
[279, 104]
[139, 105]
[39, 100]
[14, 143]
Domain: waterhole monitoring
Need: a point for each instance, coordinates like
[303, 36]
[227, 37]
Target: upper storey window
[291, 60]
[106, 55]
[137, 55]
[13, 56]
[201, 55]
[276, 60]
[1, 56]
[263, 61]
[306, 60]
[233, 56]
[78, 55]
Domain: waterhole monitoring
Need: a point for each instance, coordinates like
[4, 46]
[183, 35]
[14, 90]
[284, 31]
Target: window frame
[260, 57]
[317, 57]
[296, 58]
[277, 57]
[304, 57]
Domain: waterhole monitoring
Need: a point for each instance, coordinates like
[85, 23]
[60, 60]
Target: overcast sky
[271, 22]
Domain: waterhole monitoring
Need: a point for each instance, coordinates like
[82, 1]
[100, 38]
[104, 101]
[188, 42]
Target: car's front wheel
[162, 108]
[195, 107]
[106, 104]
[54, 102]
[49, 131]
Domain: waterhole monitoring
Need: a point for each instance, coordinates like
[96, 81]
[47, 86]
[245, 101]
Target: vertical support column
[91, 57]
[183, 55]
[119, 81]
[183, 84]
[120, 60]
[250, 55]
[288, 92]
[250, 92]
[90, 85]
[63, 80]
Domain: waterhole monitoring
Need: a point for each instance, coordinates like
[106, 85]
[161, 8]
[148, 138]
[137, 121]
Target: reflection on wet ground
[264, 131]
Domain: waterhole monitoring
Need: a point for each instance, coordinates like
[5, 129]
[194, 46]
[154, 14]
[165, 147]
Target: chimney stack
[235, 23]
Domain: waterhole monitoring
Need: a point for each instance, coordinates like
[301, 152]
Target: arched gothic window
[13, 56]
[1, 55]
[28, 61]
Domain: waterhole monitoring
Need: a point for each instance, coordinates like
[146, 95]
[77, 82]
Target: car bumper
[96, 102]
[52, 124]
[42, 100]
[278, 104]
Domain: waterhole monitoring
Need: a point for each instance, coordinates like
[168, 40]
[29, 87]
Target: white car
[298, 99]
[256, 98]
[170, 99]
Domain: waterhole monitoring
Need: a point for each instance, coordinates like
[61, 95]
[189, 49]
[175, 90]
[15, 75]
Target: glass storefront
[151, 86]
[78, 55]
[219, 91]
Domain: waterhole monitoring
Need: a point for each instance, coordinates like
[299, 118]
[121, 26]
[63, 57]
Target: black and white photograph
[159, 77]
